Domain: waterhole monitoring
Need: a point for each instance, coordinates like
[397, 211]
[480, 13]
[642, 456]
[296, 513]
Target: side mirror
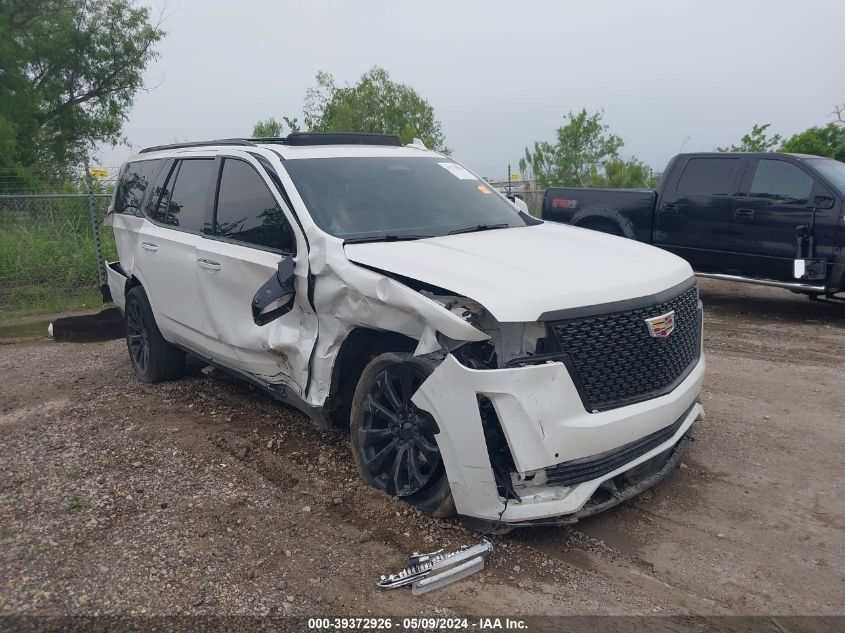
[823, 202]
[279, 289]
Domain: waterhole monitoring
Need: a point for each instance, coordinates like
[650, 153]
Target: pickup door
[776, 200]
[696, 209]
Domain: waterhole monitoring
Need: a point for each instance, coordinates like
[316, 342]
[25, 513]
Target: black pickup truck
[766, 218]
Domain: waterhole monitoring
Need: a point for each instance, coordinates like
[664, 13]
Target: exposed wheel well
[356, 351]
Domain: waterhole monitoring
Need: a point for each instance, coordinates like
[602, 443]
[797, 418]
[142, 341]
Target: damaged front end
[569, 429]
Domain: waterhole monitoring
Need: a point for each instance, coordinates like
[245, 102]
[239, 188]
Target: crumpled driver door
[271, 340]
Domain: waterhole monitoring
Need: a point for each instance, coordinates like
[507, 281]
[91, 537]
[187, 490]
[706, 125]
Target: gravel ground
[203, 496]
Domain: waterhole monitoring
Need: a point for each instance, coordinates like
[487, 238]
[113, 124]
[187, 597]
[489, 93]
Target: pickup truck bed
[625, 212]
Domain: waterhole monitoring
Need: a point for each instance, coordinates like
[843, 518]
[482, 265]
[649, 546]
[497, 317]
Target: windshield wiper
[480, 227]
[383, 238]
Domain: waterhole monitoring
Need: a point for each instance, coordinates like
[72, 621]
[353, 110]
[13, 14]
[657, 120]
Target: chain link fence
[48, 258]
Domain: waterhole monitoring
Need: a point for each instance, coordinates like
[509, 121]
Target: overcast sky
[671, 75]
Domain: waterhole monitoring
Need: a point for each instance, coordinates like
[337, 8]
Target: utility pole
[509, 181]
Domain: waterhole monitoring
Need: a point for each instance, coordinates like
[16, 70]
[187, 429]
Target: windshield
[833, 170]
[402, 197]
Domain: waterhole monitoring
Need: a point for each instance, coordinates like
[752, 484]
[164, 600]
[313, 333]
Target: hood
[518, 274]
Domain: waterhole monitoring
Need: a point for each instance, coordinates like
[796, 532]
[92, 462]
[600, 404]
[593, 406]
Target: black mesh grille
[614, 361]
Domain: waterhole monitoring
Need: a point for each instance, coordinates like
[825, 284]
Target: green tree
[272, 128]
[619, 174]
[69, 71]
[756, 141]
[374, 104]
[828, 141]
[578, 158]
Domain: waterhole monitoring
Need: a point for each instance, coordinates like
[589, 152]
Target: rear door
[133, 190]
[253, 230]
[166, 256]
[693, 216]
[775, 204]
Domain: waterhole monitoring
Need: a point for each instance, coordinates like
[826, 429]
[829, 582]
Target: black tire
[392, 440]
[153, 358]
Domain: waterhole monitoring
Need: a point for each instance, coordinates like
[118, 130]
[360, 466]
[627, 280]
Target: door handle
[671, 209]
[149, 246]
[747, 214]
[208, 264]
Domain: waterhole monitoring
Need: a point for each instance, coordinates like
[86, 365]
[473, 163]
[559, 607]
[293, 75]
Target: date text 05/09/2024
[418, 624]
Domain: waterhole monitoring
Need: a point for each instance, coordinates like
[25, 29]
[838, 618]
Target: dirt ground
[205, 496]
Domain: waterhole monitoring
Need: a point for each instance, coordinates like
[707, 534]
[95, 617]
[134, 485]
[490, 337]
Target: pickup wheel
[393, 440]
[153, 358]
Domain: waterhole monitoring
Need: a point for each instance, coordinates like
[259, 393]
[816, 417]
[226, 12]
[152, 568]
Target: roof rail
[268, 139]
[341, 138]
[294, 138]
[222, 141]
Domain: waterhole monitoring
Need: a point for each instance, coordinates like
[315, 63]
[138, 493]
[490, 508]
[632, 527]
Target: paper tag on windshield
[457, 171]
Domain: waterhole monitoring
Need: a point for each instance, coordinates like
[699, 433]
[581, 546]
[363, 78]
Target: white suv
[487, 363]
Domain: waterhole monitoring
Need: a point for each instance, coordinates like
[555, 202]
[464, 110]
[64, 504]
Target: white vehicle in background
[488, 364]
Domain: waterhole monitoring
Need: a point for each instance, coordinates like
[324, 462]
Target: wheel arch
[608, 216]
[360, 346]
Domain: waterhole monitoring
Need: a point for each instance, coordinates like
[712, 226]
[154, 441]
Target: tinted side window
[247, 211]
[184, 202]
[134, 180]
[708, 175]
[782, 181]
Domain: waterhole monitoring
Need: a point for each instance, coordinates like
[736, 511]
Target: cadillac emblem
[661, 326]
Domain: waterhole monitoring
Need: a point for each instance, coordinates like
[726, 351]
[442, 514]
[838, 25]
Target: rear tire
[153, 358]
[393, 440]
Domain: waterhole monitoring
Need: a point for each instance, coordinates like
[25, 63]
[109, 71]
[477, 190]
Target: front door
[776, 207]
[252, 233]
[693, 218]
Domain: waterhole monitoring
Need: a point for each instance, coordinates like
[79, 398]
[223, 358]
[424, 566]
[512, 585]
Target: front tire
[153, 358]
[393, 440]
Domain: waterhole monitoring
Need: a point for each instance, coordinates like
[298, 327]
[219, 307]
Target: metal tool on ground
[426, 572]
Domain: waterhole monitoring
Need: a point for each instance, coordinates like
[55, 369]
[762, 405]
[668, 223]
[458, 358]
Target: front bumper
[545, 424]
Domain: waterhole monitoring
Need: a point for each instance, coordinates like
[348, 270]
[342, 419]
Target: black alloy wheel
[395, 438]
[137, 337]
[153, 358]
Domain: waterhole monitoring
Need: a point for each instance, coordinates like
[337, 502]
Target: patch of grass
[7, 532]
[35, 300]
[68, 473]
[31, 329]
[48, 260]
[77, 504]
[37, 549]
